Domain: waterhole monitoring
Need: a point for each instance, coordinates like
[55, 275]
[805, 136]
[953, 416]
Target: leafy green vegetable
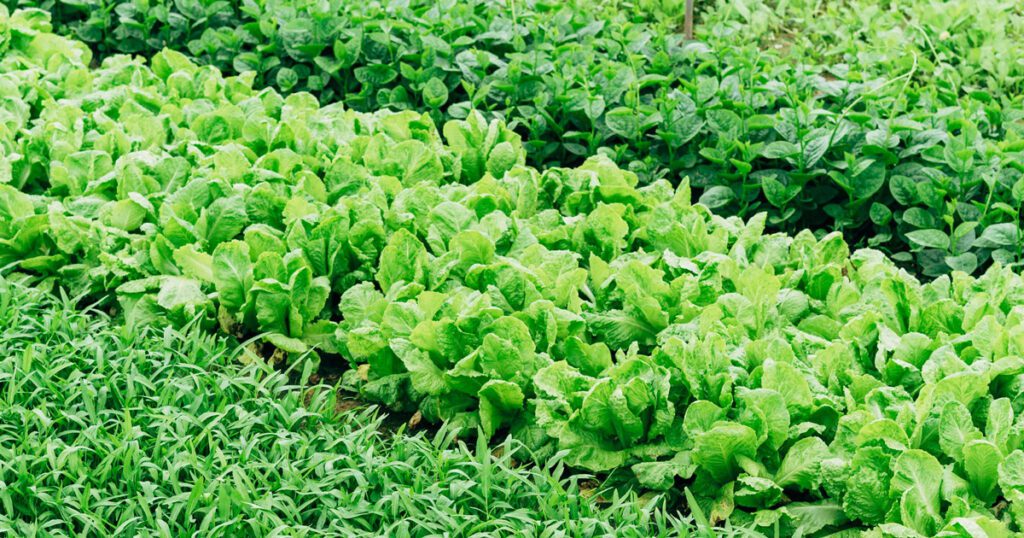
[790, 381]
[821, 135]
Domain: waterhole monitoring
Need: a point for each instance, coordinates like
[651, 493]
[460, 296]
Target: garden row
[112, 431]
[930, 173]
[790, 382]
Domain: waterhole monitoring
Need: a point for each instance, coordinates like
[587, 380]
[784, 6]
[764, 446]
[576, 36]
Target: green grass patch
[110, 431]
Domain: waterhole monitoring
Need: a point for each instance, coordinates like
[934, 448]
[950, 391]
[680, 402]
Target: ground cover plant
[789, 383]
[973, 45]
[111, 431]
[930, 173]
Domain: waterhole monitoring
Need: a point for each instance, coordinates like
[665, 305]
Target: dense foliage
[791, 382]
[973, 44]
[109, 431]
[930, 174]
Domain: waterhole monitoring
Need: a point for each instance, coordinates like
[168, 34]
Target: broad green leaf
[717, 450]
[918, 475]
[998, 235]
[661, 475]
[404, 259]
[425, 375]
[981, 461]
[195, 264]
[499, 402]
[800, 465]
[956, 429]
[929, 238]
[232, 274]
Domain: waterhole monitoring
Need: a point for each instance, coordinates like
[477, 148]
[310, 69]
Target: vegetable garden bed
[580, 302]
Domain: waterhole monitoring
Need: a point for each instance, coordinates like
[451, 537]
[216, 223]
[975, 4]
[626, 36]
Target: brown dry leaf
[251, 354]
[346, 405]
[308, 396]
[278, 356]
[415, 420]
[228, 323]
[588, 490]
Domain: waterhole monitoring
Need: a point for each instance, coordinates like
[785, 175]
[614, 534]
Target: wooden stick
[688, 21]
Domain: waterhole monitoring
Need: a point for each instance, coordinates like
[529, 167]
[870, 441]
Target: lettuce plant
[926, 172]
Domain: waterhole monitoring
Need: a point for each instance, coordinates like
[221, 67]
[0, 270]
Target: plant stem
[688, 20]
